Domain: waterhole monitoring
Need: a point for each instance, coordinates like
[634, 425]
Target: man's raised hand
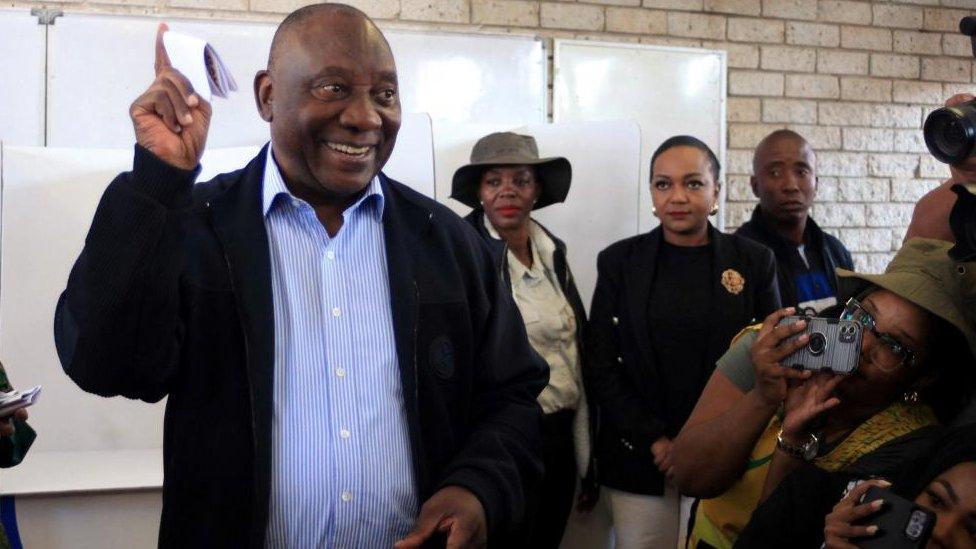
[169, 119]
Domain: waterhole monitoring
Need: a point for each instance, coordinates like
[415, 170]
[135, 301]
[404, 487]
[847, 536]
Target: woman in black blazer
[666, 305]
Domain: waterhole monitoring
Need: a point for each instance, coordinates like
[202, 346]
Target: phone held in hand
[902, 523]
[834, 345]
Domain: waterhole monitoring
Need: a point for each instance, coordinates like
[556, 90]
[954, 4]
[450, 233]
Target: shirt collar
[543, 249]
[274, 187]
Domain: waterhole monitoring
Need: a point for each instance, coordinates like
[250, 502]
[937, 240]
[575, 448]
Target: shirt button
[341, 372]
[336, 311]
[330, 254]
[346, 495]
[344, 433]
[620, 359]
[616, 321]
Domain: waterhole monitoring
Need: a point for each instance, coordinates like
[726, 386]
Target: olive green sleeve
[735, 364]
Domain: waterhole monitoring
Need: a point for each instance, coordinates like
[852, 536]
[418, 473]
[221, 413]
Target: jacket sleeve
[767, 291]
[612, 389]
[117, 327]
[501, 458]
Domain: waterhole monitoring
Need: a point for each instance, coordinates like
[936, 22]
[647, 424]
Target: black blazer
[171, 296]
[625, 378]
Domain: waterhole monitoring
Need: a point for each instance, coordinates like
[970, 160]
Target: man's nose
[790, 183]
[360, 113]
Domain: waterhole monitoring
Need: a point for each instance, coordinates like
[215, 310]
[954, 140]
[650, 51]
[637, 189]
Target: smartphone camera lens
[818, 342]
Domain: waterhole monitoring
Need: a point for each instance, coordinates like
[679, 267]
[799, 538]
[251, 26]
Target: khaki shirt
[549, 319]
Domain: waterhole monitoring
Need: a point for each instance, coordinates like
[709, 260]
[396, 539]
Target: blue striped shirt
[341, 473]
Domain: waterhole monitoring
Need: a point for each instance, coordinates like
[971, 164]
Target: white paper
[18, 399]
[191, 56]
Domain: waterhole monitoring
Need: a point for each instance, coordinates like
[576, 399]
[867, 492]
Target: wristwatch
[806, 451]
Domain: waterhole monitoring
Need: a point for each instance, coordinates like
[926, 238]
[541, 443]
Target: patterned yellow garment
[719, 521]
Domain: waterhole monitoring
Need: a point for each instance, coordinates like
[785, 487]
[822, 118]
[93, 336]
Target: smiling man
[343, 365]
[785, 181]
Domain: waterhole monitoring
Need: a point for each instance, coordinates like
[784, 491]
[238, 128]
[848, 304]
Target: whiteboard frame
[558, 44]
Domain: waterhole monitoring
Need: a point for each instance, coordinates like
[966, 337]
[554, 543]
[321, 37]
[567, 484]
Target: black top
[634, 391]
[678, 315]
[801, 281]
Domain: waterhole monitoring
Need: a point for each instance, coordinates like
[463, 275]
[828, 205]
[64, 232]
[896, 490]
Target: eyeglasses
[890, 354]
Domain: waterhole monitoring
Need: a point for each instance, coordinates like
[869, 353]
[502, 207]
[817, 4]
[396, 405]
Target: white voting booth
[93, 477]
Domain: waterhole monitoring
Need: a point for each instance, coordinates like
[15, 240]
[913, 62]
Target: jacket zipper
[240, 322]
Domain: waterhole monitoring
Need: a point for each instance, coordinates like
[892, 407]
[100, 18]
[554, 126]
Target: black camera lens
[950, 132]
[817, 344]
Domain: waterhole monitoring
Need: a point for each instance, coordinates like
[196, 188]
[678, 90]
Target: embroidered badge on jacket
[733, 281]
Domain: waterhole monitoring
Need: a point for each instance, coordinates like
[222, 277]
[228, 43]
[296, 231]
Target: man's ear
[263, 94]
[754, 183]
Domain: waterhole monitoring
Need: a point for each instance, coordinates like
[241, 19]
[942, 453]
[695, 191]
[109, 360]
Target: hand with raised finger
[839, 527]
[771, 346]
[452, 511]
[169, 118]
[805, 401]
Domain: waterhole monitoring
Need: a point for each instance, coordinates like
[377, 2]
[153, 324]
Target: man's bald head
[771, 140]
[785, 178]
[331, 96]
[297, 20]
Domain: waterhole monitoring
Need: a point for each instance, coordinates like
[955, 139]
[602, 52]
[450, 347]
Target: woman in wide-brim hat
[504, 183]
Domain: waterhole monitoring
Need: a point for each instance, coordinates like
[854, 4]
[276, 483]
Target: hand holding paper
[169, 118]
[15, 400]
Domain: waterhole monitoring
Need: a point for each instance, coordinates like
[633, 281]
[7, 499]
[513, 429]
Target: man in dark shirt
[785, 181]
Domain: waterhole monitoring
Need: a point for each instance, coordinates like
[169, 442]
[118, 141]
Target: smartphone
[834, 345]
[902, 523]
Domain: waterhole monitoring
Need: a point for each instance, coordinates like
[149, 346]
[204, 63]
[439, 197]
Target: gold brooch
[733, 281]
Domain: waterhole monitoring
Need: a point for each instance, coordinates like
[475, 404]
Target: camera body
[901, 523]
[834, 345]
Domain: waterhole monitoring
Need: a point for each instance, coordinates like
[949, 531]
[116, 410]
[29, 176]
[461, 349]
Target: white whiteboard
[450, 76]
[22, 64]
[601, 206]
[667, 91]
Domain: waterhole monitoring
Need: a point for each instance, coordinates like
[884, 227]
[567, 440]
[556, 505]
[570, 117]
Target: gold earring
[910, 396]
[714, 210]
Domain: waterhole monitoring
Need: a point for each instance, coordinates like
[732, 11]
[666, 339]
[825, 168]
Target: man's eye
[388, 94]
[329, 90]
[936, 501]
[775, 173]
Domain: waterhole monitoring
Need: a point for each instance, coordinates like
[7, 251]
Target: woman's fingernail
[884, 482]
[872, 530]
[877, 504]
[192, 100]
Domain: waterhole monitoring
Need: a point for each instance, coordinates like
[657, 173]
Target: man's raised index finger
[162, 58]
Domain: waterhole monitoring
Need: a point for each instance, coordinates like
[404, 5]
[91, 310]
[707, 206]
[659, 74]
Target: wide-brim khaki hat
[923, 272]
[511, 149]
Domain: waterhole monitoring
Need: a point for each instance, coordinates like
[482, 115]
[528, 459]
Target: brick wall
[856, 77]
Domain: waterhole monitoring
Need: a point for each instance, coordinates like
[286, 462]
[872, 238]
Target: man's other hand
[169, 119]
[455, 512]
[7, 424]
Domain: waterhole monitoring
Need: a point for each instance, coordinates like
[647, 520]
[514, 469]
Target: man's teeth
[348, 149]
